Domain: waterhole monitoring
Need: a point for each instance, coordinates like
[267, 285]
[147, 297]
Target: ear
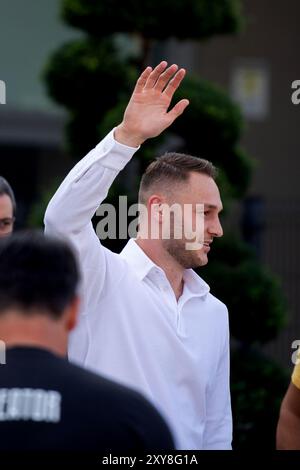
[72, 313]
[155, 207]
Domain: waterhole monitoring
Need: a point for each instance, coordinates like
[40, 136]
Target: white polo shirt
[131, 328]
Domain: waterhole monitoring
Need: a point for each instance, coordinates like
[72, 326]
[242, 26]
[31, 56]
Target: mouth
[206, 245]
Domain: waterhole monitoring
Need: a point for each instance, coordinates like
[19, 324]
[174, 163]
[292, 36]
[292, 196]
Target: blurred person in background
[7, 208]
[288, 428]
[46, 403]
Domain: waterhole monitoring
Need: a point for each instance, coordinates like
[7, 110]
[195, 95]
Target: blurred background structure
[241, 58]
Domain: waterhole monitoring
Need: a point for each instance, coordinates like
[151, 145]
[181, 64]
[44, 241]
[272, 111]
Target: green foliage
[257, 388]
[211, 128]
[211, 113]
[253, 296]
[80, 76]
[156, 19]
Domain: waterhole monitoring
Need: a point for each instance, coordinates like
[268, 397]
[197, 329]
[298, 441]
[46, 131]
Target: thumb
[178, 109]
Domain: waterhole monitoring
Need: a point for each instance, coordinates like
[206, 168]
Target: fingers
[178, 109]
[159, 78]
[174, 83]
[164, 77]
[155, 74]
[141, 82]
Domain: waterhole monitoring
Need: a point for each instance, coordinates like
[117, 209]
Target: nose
[215, 229]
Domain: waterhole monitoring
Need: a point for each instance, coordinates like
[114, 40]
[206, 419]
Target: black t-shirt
[46, 403]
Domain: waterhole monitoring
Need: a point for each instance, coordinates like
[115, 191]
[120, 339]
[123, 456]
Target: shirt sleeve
[218, 426]
[296, 372]
[72, 207]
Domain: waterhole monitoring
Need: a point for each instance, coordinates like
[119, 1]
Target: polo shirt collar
[137, 259]
[143, 265]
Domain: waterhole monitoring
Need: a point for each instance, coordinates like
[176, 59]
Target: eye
[7, 222]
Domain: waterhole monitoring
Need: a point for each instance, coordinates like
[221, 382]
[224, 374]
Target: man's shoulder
[218, 304]
[94, 381]
[127, 405]
[218, 311]
[199, 288]
[107, 388]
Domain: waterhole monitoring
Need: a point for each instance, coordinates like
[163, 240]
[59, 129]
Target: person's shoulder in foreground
[46, 403]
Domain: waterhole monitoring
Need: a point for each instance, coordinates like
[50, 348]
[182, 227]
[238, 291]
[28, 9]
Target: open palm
[147, 112]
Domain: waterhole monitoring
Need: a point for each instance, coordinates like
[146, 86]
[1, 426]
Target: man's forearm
[86, 186]
[288, 429]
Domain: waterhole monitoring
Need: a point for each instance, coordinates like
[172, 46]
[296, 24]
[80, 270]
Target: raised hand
[147, 112]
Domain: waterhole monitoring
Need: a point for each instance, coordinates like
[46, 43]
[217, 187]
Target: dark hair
[5, 188]
[37, 272]
[173, 167]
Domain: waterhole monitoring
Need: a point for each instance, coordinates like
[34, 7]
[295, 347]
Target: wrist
[125, 137]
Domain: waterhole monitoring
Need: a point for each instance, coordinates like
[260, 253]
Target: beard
[186, 258]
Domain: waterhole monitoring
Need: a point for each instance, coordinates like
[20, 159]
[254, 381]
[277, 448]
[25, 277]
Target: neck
[174, 272]
[34, 330]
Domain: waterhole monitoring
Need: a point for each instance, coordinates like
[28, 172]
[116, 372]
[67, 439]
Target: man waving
[147, 319]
